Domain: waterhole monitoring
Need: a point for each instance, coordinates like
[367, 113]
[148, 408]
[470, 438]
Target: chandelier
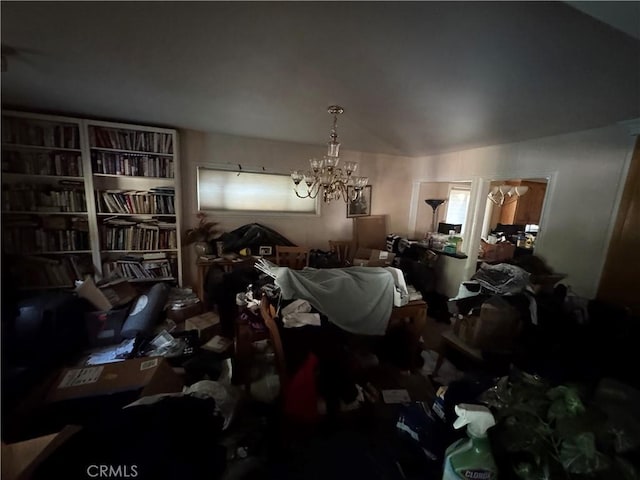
[325, 175]
[505, 194]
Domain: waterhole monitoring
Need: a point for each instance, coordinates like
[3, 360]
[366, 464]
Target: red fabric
[301, 395]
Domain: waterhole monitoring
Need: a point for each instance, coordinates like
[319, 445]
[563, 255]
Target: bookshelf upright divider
[94, 235]
[129, 218]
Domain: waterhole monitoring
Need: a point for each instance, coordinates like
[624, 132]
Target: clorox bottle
[471, 458]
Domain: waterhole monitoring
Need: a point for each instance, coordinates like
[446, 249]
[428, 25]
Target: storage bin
[496, 252]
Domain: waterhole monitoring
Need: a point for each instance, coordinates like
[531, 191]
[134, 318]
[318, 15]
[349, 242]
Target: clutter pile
[537, 428]
[491, 310]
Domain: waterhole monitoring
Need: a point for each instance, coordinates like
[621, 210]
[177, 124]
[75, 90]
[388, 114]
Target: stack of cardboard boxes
[369, 257]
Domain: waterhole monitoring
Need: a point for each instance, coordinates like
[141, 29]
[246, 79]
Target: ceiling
[415, 78]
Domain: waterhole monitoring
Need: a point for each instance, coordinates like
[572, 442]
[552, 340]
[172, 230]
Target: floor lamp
[435, 203]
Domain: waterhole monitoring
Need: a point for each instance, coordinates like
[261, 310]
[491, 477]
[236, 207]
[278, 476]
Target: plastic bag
[418, 425]
[226, 398]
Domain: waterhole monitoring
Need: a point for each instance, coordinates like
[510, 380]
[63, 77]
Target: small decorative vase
[202, 248]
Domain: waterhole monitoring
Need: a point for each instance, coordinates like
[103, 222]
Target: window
[228, 191]
[457, 205]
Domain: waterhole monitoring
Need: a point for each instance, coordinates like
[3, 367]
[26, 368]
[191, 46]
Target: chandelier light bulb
[296, 176]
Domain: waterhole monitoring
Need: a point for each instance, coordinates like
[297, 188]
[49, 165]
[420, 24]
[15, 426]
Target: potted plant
[202, 234]
[547, 432]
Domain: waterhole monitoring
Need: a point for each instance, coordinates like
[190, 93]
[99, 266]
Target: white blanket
[357, 299]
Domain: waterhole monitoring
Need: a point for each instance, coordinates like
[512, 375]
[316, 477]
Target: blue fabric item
[356, 299]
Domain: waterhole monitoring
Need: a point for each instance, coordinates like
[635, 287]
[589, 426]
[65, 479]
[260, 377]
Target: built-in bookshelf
[134, 173]
[81, 196]
[45, 220]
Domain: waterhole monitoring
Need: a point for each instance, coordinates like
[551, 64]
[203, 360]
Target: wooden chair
[291, 427]
[293, 257]
[291, 430]
[343, 249]
[268, 315]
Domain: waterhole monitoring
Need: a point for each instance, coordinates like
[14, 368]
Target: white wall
[586, 170]
[202, 148]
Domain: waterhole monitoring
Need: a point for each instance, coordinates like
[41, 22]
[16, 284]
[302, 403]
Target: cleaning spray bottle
[471, 458]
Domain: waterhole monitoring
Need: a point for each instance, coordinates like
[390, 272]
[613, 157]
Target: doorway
[513, 212]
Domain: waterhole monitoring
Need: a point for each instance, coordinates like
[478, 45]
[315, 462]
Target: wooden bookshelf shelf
[143, 280]
[141, 251]
[35, 212]
[66, 252]
[46, 287]
[57, 252]
[133, 152]
[17, 146]
[112, 175]
[37, 176]
[136, 214]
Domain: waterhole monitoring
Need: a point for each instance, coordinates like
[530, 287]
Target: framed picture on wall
[361, 206]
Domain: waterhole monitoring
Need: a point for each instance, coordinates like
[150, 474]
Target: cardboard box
[16, 457]
[139, 376]
[495, 329]
[496, 252]
[107, 296]
[76, 396]
[204, 323]
[104, 327]
[369, 257]
[19, 459]
[180, 314]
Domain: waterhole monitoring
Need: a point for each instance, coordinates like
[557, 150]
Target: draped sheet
[357, 299]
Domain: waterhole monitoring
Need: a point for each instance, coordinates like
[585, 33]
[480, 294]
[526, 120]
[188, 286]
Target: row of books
[41, 271]
[42, 163]
[133, 165]
[20, 197]
[118, 234]
[133, 268]
[23, 240]
[39, 133]
[122, 139]
[48, 222]
[141, 256]
[154, 201]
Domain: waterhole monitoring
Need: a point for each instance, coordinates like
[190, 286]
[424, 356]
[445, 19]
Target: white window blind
[457, 206]
[223, 190]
